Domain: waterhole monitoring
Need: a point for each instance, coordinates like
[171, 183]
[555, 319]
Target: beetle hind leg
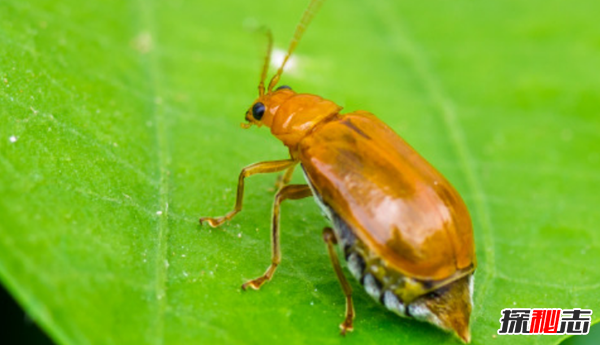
[293, 192]
[331, 241]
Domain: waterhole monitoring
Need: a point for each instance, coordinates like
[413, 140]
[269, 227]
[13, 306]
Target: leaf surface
[119, 127]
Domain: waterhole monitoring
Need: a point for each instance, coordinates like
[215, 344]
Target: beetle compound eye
[283, 87]
[258, 110]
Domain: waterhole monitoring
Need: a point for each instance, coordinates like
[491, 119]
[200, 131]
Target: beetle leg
[330, 240]
[293, 192]
[284, 179]
[256, 168]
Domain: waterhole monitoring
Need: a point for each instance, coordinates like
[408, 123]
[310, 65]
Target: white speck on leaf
[183, 255]
[277, 57]
[143, 42]
[159, 213]
[166, 263]
[13, 139]
[240, 235]
[185, 274]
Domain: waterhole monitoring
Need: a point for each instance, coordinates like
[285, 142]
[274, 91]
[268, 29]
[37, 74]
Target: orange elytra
[405, 232]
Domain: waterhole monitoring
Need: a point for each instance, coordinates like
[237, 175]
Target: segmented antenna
[265, 69]
[308, 15]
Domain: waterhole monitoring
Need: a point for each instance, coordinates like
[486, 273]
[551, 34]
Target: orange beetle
[405, 232]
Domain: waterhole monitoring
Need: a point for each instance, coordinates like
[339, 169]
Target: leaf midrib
[150, 66]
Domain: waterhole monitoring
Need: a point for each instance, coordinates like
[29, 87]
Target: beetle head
[263, 109]
[448, 307]
[289, 115]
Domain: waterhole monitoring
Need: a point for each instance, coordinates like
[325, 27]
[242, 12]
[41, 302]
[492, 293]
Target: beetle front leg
[330, 240]
[256, 168]
[293, 192]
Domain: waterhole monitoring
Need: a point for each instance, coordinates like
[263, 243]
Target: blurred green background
[119, 127]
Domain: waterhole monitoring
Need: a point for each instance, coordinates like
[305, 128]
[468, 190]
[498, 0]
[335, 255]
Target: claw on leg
[330, 240]
[216, 221]
[345, 327]
[258, 282]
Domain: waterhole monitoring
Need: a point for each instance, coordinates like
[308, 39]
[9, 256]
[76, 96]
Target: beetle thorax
[292, 116]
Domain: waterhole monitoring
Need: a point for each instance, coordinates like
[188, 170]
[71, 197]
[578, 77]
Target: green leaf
[119, 127]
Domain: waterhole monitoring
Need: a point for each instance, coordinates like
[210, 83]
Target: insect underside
[379, 281]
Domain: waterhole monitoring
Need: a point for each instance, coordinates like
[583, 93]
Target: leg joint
[329, 236]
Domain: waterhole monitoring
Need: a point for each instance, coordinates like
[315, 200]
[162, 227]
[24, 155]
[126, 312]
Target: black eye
[282, 87]
[258, 110]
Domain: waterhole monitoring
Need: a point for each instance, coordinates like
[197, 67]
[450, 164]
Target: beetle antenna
[308, 15]
[265, 69]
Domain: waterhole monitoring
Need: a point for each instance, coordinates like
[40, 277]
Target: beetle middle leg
[331, 241]
[293, 192]
[284, 179]
[257, 168]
